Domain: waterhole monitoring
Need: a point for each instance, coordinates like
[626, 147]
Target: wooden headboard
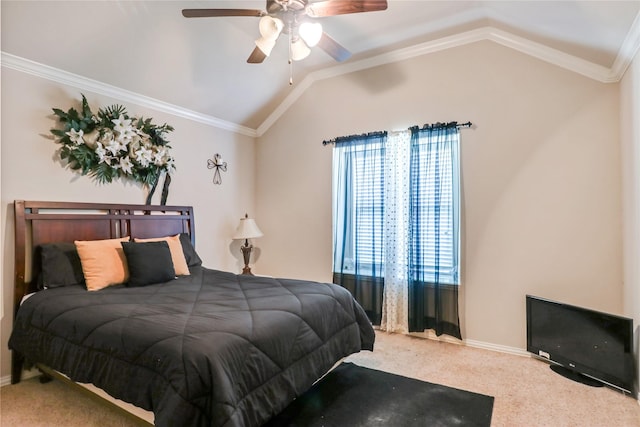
[37, 223]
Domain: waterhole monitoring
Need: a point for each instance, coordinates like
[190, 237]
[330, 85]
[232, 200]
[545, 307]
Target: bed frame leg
[45, 378]
[17, 361]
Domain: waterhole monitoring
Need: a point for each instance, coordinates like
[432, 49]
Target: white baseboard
[429, 334]
[497, 347]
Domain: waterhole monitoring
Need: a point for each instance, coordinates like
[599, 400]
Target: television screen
[585, 341]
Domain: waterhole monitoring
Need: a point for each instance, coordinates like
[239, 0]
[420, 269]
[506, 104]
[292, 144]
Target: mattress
[209, 349]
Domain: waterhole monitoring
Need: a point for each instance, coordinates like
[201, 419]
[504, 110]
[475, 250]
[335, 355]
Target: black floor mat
[353, 396]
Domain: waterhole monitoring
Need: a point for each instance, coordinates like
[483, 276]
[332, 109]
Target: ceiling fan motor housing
[275, 6]
[288, 11]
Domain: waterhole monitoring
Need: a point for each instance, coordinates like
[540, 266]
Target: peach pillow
[177, 255]
[103, 262]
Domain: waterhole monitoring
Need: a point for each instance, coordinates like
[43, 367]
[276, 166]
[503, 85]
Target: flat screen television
[583, 344]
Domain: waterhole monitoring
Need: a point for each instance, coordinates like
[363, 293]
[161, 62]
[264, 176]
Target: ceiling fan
[295, 18]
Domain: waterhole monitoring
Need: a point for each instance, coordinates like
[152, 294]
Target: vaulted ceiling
[199, 64]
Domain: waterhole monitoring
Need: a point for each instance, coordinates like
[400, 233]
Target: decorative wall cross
[218, 164]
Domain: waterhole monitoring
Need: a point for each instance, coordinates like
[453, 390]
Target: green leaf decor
[111, 144]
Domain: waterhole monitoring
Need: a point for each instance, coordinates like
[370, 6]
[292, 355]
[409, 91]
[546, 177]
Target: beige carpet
[526, 391]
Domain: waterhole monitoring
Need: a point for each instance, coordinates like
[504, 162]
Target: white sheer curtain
[396, 222]
[395, 302]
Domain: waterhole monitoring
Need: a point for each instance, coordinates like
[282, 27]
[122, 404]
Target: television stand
[575, 376]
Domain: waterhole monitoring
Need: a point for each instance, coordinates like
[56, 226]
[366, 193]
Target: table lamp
[247, 229]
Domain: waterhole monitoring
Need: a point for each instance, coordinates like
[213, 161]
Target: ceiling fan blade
[209, 13]
[333, 48]
[342, 7]
[256, 57]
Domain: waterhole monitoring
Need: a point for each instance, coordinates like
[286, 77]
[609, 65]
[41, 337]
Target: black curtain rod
[424, 127]
[446, 125]
[362, 135]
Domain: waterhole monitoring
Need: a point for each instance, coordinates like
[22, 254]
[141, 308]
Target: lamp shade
[247, 229]
[269, 27]
[299, 50]
[311, 32]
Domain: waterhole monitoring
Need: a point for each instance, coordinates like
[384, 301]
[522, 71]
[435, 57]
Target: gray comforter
[210, 349]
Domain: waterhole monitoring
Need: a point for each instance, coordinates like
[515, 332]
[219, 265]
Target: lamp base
[246, 254]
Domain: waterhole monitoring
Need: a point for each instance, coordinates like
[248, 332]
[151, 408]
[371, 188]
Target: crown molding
[550, 55]
[83, 83]
[504, 38]
[628, 50]
[545, 53]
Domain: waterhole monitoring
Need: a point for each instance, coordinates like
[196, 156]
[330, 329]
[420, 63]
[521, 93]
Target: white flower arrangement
[110, 144]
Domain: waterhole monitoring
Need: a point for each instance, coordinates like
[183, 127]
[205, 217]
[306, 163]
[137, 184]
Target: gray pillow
[60, 265]
[189, 251]
[149, 263]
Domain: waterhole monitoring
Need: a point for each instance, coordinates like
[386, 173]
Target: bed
[207, 348]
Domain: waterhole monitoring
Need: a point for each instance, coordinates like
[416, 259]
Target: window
[434, 201]
[396, 197]
[358, 222]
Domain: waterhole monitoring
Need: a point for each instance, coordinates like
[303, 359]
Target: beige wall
[541, 177]
[30, 171]
[630, 127]
[540, 169]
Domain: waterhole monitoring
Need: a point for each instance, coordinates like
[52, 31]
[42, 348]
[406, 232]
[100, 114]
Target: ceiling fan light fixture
[270, 27]
[299, 50]
[311, 32]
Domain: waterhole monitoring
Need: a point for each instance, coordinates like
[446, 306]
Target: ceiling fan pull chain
[290, 56]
